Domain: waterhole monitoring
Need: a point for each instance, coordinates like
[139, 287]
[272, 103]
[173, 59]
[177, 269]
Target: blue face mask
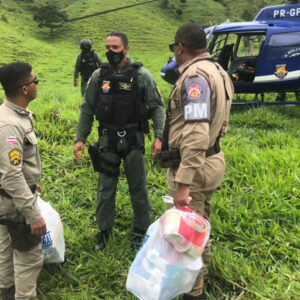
[114, 58]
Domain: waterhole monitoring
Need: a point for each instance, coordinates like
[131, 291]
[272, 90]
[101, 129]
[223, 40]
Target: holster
[169, 159]
[95, 156]
[100, 164]
[19, 231]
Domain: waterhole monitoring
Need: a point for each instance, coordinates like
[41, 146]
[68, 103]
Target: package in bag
[53, 243]
[186, 230]
[159, 272]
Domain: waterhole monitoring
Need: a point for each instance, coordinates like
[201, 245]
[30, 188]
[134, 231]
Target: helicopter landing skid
[261, 102]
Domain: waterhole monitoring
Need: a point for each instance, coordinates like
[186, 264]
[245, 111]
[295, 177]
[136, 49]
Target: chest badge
[125, 86]
[15, 157]
[105, 87]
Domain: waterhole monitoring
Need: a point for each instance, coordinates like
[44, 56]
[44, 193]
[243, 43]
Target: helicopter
[260, 56]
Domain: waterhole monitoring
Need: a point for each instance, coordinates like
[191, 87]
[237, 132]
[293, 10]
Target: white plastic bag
[159, 272]
[186, 230]
[53, 243]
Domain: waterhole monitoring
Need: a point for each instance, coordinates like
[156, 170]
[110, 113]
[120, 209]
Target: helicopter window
[246, 54]
[283, 45]
[250, 45]
[219, 41]
[217, 44]
[221, 48]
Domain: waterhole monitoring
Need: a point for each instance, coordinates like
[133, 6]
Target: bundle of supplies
[186, 230]
[53, 244]
[169, 260]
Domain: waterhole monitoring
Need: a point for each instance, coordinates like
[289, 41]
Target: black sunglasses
[172, 46]
[35, 81]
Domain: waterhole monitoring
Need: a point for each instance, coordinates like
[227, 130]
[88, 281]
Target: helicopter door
[221, 48]
[246, 56]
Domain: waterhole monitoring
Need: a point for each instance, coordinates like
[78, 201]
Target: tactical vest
[88, 64]
[119, 100]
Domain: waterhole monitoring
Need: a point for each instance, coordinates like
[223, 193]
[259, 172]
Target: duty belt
[118, 132]
[5, 194]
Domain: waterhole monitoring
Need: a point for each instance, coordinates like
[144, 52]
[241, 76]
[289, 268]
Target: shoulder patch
[194, 91]
[15, 157]
[196, 99]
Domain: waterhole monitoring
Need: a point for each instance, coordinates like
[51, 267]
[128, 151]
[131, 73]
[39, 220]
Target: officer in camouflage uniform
[86, 63]
[197, 117]
[122, 95]
[20, 171]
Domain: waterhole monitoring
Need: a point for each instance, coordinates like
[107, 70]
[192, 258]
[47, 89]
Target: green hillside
[149, 27]
[255, 219]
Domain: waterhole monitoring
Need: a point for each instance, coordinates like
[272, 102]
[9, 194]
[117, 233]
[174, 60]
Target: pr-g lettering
[282, 13]
[295, 12]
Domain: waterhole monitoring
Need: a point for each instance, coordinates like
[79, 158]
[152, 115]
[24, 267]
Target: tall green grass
[255, 219]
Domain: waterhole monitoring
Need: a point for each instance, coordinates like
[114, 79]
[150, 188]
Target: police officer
[197, 117]
[20, 171]
[121, 94]
[86, 63]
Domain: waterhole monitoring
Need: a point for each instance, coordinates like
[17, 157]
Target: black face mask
[86, 48]
[114, 58]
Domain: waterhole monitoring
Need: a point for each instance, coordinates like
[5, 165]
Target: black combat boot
[8, 294]
[103, 239]
[200, 297]
[138, 236]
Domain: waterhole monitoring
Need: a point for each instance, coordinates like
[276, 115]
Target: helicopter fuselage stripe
[267, 78]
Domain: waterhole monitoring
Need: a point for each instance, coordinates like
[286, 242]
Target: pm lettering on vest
[196, 99]
[196, 111]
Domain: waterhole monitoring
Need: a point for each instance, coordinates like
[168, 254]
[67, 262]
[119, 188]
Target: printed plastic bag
[53, 243]
[186, 230]
[159, 272]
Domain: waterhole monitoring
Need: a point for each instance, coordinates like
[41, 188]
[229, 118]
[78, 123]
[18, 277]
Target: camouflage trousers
[18, 268]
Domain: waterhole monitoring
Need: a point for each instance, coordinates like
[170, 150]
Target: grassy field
[256, 212]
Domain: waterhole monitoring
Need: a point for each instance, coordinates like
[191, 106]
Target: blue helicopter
[260, 56]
